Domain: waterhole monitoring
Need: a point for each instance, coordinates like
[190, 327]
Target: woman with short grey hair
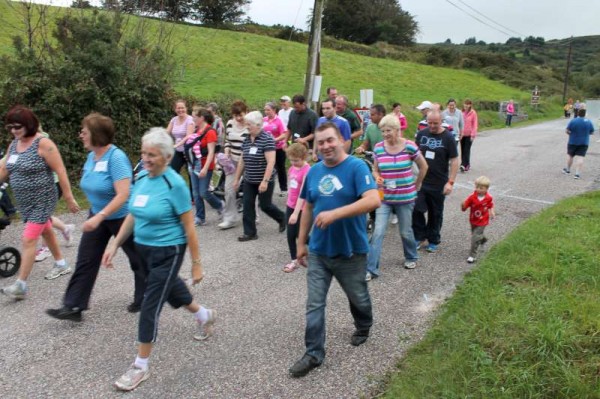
[257, 163]
[159, 137]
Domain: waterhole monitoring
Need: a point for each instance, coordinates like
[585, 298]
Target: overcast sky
[442, 19]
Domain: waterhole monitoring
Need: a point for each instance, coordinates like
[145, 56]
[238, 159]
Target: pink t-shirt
[276, 128]
[295, 179]
[180, 130]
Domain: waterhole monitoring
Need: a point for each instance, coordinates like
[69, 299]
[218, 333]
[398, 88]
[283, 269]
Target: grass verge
[524, 324]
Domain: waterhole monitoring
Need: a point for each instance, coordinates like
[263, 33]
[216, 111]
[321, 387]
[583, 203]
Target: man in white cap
[424, 107]
[284, 112]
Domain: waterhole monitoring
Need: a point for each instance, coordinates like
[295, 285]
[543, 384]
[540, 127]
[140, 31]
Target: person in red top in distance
[481, 204]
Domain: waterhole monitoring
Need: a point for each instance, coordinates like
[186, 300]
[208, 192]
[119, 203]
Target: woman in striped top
[393, 171]
[235, 134]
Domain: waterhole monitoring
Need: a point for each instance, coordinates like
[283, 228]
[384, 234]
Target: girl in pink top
[397, 109]
[299, 168]
[272, 124]
[468, 134]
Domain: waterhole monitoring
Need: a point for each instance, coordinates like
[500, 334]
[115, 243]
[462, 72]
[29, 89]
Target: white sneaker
[226, 225]
[206, 329]
[470, 259]
[68, 234]
[133, 377]
[394, 219]
[368, 277]
[15, 291]
[57, 271]
[410, 264]
[42, 253]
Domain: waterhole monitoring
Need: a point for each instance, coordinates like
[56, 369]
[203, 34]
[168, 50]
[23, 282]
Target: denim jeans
[200, 193]
[404, 213]
[430, 200]
[350, 274]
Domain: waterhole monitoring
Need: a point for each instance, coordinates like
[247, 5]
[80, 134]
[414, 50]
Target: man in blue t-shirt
[339, 192]
[579, 130]
[329, 115]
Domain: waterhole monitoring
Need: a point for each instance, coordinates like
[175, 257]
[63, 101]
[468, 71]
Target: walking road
[260, 330]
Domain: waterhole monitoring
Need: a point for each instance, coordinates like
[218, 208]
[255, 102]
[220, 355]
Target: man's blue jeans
[404, 213]
[350, 274]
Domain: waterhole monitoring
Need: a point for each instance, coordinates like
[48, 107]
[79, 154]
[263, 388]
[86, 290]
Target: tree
[172, 10]
[81, 4]
[471, 41]
[219, 12]
[369, 21]
[91, 66]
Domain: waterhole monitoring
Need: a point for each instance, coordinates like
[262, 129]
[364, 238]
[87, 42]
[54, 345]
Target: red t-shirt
[480, 209]
[209, 137]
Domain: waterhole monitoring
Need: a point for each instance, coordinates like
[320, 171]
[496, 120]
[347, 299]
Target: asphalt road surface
[260, 328]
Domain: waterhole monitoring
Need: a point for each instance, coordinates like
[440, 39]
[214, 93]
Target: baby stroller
[10, 257]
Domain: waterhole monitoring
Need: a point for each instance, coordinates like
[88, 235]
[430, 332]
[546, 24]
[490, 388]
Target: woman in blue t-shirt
[162, 221]
[106, 180]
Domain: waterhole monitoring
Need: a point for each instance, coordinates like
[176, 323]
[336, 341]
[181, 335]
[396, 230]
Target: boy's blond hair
[296, 150]
[483, 181]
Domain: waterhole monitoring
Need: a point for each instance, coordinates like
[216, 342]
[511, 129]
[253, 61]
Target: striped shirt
[255, 162]
[396, 170]
[234, 137]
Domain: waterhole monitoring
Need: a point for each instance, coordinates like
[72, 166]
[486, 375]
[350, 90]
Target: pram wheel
[10, 261]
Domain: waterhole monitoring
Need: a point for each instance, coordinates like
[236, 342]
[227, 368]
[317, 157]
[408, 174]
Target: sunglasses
[15, 126]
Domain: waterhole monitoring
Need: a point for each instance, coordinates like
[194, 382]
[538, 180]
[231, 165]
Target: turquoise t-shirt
[98, 178]
[327, 188]
[156, 203]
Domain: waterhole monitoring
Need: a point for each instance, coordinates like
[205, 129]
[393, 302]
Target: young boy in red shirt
[482, 209]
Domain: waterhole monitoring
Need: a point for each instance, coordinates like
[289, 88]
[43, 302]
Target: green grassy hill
[223, 65]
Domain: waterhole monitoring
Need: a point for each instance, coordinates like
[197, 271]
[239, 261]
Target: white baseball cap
[425, 104]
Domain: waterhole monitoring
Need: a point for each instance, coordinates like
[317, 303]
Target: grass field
[524, 324]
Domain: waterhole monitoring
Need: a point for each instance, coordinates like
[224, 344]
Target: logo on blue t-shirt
[327, 184]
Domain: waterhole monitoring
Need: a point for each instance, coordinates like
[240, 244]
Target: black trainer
[245, 238]
[134, 307]
[65, 313]
[359, 337]
[282, 226]
[303, 366]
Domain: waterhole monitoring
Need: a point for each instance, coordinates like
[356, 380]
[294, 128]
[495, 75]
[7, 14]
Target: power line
[490, 19]
[478, 19]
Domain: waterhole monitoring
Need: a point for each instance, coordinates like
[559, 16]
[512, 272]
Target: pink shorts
[33, 231]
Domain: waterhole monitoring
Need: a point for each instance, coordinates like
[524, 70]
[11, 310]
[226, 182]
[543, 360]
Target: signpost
[535, 97]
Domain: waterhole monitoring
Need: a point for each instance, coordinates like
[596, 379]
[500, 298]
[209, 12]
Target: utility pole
[567, 72]
[314, 48]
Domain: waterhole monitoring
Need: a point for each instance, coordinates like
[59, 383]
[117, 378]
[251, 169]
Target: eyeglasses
[15, 126]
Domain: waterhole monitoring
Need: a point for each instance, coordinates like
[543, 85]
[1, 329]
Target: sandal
[290, 267]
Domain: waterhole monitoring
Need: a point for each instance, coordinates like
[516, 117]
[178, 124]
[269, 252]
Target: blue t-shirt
[327, 188]
[156, 203]
[580, 129]
[99, 177]
[341, 123]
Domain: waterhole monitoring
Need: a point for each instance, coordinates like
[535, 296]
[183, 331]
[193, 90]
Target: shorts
[577, 150]
[33, 231]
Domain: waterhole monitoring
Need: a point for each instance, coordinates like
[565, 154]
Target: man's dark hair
[298, 98]
[379, 108]
[581, 112]
[394, 105]
[330, 88]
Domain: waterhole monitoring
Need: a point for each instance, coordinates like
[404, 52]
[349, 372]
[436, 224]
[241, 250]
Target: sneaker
[283, 194]
[410, 264]
[206, 328]
[290, 267]
[566, 171]
[225, 225]
[420, 244]
[65, 313]
[368, 277]
[133, 377]
[57, 271]
[462, 168]
[576, 177]
[304, 366]
[431, 248]
[68, 234]
[470, 259]
[359, 337]
[15, 291]
[394, 219]
[199, 222]
[42, 253]
[467, 168]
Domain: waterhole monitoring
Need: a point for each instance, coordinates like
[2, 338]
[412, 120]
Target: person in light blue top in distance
[106, 182]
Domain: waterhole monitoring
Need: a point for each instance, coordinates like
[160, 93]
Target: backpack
[188, 148]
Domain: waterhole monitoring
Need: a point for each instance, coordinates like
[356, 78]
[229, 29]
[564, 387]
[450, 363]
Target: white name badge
[429, 154]
[13, 158]
[337, 183]
[140, 201]
[391, 184]
[101, 166]
[293, 183]
[253, 150]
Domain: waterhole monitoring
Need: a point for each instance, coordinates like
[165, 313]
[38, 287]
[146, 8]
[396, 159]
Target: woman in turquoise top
[162, 221]
[106, 182]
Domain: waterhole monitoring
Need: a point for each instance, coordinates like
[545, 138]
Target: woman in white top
[181, 127]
